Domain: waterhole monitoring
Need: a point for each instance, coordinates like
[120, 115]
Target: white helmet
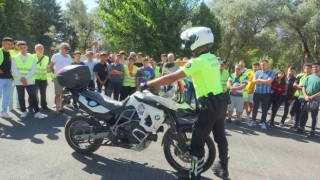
[197, 37]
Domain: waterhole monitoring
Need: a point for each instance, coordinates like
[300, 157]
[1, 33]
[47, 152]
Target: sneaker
[228, 120]
[10, 108]
[282, 125]
[312, 134]
[23, 114]
[299, 131]
[220, 171]
[40, 115]
[271, 123]
[252, 123]
[289, 121]
[5, 115]
[263, 126]
[54, 106]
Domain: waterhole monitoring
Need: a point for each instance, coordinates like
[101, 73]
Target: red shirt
[278, 88]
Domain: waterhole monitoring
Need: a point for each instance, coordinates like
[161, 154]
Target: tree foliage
[150, 26]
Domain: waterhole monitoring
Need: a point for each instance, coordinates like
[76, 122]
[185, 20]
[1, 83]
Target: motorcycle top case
[74, 76]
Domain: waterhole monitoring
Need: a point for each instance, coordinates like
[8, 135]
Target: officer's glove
[143, 86]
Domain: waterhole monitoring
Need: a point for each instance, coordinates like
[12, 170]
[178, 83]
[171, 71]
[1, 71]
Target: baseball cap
[223, 62]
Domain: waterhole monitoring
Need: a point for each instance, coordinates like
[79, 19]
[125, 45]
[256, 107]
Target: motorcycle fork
[180, 138]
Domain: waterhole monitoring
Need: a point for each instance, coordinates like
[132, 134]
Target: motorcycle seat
[104, 101]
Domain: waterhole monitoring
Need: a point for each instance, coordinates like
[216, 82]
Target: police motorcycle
[131, 124]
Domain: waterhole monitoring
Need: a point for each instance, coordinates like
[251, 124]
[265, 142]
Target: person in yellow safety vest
[224, 75]
[5, 76]
[237, 83]
[129, 84]
[41, 76]
[296, 106]
[204, 69]
[24, 71]
[13, 52]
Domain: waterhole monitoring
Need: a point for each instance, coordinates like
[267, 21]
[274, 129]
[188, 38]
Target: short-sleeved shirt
[60, 62]
[118, 67]
[102, 71]
[6, 66]
[170, 67]
[149, 74]
[205, 72]
[91, 65]
[237, 83]
[250, 86]
[312, 85]
[263, 88]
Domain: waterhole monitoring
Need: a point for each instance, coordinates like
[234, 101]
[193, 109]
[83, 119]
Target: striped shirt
[263, 88]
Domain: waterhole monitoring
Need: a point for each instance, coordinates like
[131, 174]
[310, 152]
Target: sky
[89, 3]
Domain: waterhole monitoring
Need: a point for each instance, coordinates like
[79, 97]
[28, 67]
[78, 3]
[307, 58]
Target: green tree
[150, 26]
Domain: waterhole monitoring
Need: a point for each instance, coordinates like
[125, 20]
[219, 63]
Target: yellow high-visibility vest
[24, 69]
[41, 71]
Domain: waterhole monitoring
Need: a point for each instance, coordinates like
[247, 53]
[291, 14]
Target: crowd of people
[119, 75]
[251, 88]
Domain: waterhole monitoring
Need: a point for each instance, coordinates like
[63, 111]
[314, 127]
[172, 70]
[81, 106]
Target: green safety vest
[12, 55]
[156, 71]
[41, 71]
[24, 69]
[242, 77]
[127, 79]
[224, 79]
[1, 56]
[298, 92]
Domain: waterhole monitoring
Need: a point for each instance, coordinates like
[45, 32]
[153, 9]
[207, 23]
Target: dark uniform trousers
[40, 86]
[211, 119]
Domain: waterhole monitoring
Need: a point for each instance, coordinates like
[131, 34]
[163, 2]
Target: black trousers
[275, 100]
[264, 100]
[211, 120]
[296, 109]
[41, 86]
[91, 85]
[304, 118]
[99, 86]
[114, 87]
[31, 90]
[127, 91]
[286, 108]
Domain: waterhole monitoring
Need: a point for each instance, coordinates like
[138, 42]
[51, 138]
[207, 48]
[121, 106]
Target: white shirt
[91, 65]
[16, 73]
[60, 62]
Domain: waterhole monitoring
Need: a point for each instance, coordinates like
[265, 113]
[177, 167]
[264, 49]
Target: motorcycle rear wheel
[81, 146]
[173, 155]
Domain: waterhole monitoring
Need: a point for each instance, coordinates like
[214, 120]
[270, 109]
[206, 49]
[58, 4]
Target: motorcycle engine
[131, 133]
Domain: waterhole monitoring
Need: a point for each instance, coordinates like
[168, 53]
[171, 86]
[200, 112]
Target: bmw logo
[157, 117]
[92, 103]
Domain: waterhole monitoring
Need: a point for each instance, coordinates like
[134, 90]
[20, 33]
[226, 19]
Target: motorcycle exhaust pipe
[92, 136]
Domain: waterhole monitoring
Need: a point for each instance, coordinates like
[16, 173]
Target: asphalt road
[36, 149]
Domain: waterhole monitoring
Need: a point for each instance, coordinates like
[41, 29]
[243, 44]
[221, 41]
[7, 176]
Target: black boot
[221, 169]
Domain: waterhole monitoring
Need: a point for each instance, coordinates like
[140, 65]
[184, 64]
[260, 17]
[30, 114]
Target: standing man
[237, 83]
[59, 61]
[296, 106]
[311, 92]
[24, 70]
[204, 69]
[129, 85]
[5, 75]
[248, 102]
[163, 61]
[262, 79]
[101, 71]
[41, 76]
[123, 57]
[224, 75]
[13, 52]
[139, 60]
[90, 63]
[115, 78]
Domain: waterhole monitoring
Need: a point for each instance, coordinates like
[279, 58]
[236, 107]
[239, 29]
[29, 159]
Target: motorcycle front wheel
[79, 125]
[181, 161]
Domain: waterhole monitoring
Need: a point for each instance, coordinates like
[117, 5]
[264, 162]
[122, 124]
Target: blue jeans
[5, 89]
[114, 87]
[190, 93]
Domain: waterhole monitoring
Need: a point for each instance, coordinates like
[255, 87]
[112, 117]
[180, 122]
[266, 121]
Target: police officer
[204, 69]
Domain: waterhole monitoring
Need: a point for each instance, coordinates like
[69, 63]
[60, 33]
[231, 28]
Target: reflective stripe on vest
[242, 77]
[24, 69]
[1, 56]
[127, 79]
[41, 71]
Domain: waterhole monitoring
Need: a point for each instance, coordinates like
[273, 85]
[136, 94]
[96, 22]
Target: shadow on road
[28, 128]
[123, 169]
[276, 131]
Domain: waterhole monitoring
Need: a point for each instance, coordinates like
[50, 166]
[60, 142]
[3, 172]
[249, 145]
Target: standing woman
[278, 89]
